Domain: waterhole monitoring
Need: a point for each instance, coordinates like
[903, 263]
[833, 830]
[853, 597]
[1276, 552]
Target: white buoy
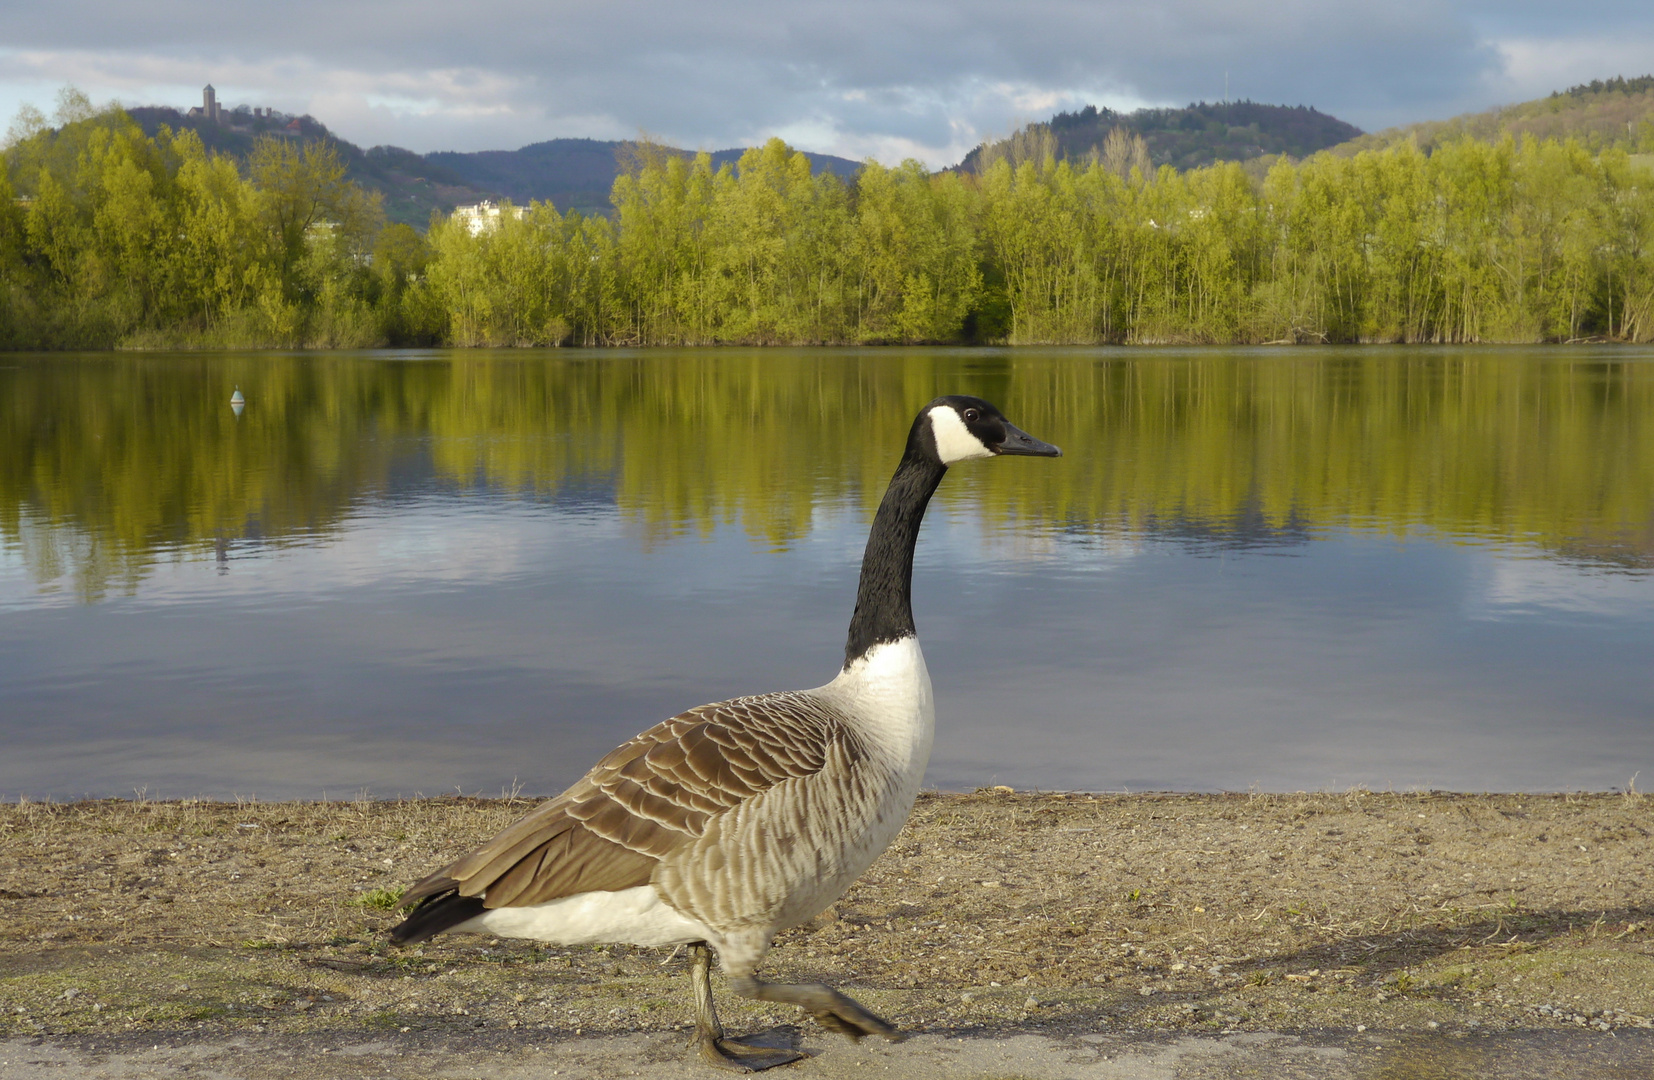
[237, 402]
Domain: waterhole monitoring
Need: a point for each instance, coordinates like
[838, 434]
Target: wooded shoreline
[109, 237]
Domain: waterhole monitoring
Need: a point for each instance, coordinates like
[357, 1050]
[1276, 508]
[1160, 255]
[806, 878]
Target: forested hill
[574, 174]
[1185, 138]
[1602, 114]
[569, 173]
[413, 186]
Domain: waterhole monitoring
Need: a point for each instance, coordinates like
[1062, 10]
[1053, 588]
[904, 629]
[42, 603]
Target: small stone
[1360, 1027]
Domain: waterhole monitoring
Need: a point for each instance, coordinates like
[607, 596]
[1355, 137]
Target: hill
[1603, 114]
[570, 173]
[573, 173]
[413, 187]
[1184, 138]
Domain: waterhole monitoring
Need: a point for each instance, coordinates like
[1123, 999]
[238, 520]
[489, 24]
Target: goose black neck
[884, 601]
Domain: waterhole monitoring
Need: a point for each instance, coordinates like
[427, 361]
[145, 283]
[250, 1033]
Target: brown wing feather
[644, 800]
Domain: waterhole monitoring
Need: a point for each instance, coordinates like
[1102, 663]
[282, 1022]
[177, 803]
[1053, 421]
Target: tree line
[111, 238]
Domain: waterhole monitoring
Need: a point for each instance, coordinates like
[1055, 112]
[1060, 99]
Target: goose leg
[710, 1040]
[832, 1010]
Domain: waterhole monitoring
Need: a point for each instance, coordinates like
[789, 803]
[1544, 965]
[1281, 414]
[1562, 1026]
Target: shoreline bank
[992, 915]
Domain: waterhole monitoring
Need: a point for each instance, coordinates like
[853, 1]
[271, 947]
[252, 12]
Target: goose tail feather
[434, 915]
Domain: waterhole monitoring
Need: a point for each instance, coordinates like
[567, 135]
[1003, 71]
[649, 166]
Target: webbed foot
[849, 1018]
[742, 1055]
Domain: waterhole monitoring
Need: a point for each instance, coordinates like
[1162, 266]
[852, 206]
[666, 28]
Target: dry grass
[993, 910]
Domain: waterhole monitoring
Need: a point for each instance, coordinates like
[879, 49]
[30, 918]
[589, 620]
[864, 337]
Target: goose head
[958, 427]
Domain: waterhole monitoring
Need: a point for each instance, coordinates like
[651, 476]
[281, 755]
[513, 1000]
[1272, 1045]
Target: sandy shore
[1350, 923]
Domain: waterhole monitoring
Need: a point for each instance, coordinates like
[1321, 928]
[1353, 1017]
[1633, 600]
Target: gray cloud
[886, 79]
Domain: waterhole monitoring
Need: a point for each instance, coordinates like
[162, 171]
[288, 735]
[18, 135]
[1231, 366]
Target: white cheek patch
[954, 441]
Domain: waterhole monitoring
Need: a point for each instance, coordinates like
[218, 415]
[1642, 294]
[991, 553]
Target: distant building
[212, 111]
[209, 109]
[484, 216]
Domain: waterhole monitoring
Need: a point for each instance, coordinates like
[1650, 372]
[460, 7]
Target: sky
[886, 79]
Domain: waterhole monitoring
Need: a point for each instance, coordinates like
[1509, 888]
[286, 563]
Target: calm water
[416, 572]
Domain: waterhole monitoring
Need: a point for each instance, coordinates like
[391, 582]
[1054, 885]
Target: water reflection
[414, 571]
[135, 456]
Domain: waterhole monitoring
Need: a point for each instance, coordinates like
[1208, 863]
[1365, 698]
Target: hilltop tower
[209, 104]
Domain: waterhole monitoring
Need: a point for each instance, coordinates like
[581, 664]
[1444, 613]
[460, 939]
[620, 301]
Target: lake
[439, 571]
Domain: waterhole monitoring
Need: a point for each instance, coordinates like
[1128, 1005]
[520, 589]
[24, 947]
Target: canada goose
[733, 821]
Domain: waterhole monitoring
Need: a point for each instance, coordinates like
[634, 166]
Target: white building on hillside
[484, 216]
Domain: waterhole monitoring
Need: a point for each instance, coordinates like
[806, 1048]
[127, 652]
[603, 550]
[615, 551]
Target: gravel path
[1009, 934]
[1276, 1056]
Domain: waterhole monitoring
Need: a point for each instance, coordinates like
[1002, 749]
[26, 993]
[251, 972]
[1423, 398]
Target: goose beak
[1020, 442]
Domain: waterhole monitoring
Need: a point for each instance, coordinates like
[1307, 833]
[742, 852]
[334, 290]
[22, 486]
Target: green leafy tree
[303, 192]
[916, 269]
[662, 203]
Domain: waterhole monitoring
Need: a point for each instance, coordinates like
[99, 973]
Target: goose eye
[971, 415]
